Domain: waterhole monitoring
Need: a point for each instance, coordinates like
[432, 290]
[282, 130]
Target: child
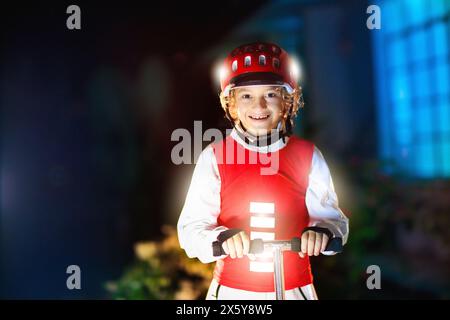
[234, 201]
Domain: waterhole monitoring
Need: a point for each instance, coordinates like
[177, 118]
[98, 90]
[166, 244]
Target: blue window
[412, 68]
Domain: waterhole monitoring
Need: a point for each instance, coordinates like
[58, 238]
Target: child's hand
[237, 246]
[313, 243]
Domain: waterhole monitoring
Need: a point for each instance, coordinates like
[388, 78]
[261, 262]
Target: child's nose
[261, 102]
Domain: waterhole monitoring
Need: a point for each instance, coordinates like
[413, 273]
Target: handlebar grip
[296, 244]
[221, 238]
[335, 244]
[217, 249]
[256, 246]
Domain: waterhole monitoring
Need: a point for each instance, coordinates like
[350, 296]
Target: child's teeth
[259, 117]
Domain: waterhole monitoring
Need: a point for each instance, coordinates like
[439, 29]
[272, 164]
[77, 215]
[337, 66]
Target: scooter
[258, 246]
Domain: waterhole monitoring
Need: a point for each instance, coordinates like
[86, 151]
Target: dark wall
[85, 141]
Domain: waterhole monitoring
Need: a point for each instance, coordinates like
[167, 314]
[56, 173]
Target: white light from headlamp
[218, 72]
[222, 72]
[295, 68]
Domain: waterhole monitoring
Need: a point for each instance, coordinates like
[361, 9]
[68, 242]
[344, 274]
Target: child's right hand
[238, 246]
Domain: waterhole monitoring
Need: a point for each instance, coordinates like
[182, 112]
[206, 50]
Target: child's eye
[245, 96]
[272, 94]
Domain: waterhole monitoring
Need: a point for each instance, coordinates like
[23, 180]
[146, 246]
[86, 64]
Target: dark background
[87, 117]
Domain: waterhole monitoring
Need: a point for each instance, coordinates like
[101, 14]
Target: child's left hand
[313, 243]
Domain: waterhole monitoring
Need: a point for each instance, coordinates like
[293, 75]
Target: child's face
[259, 108]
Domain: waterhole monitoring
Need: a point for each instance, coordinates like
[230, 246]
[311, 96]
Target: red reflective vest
[264, 206]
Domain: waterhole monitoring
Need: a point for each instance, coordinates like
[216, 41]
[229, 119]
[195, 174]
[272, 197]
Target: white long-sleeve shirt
[197, 225]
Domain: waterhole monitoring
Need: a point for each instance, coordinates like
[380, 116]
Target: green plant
[162, 271]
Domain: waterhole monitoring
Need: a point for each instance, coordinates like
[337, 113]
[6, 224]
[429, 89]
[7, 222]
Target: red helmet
[258, 63]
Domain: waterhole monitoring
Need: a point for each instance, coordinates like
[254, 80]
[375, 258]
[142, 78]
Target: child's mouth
[259, 117]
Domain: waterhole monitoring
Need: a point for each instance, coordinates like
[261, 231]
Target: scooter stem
[278, 272]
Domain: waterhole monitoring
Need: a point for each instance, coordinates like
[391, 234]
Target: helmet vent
[276, 63]
[234, 66]
[262, 60]
[247, 61]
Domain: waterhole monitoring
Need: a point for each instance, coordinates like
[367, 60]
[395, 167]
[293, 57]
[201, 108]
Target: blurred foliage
[162, 271]
[397, 223]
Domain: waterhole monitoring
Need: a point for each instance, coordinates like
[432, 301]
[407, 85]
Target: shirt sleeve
[322, 202]
[197, 225]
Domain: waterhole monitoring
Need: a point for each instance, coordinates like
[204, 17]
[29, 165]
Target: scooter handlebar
[257, 245]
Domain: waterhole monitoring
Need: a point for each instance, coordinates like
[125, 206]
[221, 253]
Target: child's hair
[291, 103]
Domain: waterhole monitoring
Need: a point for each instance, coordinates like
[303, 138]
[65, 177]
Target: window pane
[442, 78]
[443, 115]
[436, 8]
[424, 155]
[391, 16]
[397, 54]
[404, 138]
[423, 117]
[399, 85]
[416, 11]
[418, 46]
[445, 152]
[422, 80]
[402, 113]
[440, 40]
